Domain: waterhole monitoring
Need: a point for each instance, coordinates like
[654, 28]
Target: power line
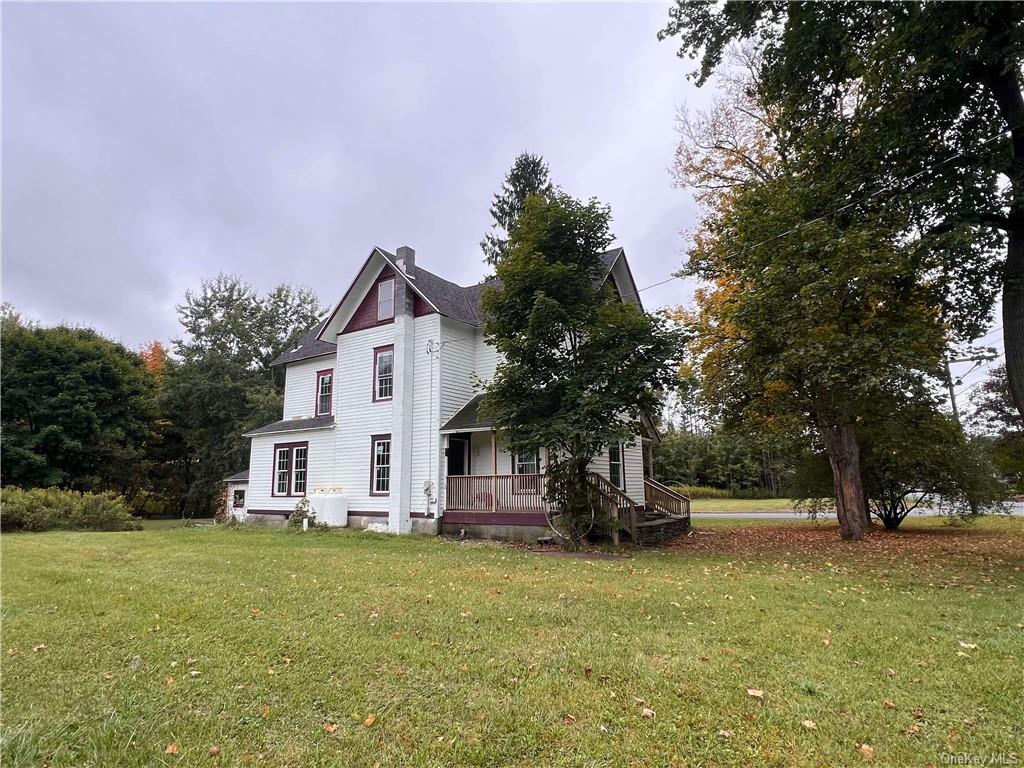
[840, 209]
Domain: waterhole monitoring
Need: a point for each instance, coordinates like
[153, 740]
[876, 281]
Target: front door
[458, 455]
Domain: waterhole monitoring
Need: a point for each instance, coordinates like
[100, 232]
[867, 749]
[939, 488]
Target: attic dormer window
[385, 300]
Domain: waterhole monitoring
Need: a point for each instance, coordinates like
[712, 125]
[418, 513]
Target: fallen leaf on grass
[38, 648]
[213, 751]
[912, 728]
[108, 676]
[169, 680]
[867, 750]
[647, 714]
[568, 719]
[723, 734]
[810, 725]
[370, 720]
[171, 749]
[888, 704]
[968, 646]
[755, 693]
[265, 710]
[917, 711]
[889, 671]
[193, 673]
[330, 727]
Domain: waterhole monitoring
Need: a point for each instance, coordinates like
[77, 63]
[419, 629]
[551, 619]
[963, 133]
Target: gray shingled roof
[306, 347]
[468, 418]
[293, 425]
[238, 477]
[455, 301]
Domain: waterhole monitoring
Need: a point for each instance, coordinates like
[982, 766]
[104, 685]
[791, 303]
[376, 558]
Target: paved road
[1016, 508]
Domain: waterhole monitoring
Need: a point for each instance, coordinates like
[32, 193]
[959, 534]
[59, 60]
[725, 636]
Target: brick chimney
[405, 257]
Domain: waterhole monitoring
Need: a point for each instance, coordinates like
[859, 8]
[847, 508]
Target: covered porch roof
[468, 419]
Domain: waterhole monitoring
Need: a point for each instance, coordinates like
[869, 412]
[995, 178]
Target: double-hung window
[291, 465]
[616, 468]
[324, 385]
[385, 300]
[383, 373]
[380, 465]
[526, 463]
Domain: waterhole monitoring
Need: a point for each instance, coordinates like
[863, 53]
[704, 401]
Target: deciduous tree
[931, 96]
[578, 367]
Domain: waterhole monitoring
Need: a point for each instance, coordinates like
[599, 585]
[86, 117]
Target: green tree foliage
[528, 176]
[578, 367]
[77, 409]
[918, 94]
[222, 384]
[737, 462]
[914, 455]
[1000, 427]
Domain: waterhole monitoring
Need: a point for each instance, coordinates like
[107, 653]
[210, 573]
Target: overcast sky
[146, 147]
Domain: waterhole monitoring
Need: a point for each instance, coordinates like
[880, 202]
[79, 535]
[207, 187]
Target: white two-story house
[380, 411]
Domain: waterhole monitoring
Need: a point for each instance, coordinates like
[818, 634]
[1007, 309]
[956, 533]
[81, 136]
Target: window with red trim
[324, 387]
[291, 464]
[383, 373]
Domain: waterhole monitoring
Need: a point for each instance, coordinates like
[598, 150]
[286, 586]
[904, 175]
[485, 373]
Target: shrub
[47, 509]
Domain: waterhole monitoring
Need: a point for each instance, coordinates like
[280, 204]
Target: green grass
[475, 654]
[741, 505]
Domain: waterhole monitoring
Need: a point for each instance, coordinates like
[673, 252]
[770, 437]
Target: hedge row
[50, 509]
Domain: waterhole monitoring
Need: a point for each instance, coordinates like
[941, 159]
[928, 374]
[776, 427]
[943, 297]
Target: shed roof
[292, 425]
[468, 419]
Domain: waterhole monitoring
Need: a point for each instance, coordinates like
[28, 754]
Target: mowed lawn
[347, 649]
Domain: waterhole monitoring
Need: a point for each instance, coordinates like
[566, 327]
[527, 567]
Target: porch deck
[520, 500]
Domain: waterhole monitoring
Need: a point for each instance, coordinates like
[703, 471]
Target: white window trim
[386, 297]
[320, 394]
[296, 470]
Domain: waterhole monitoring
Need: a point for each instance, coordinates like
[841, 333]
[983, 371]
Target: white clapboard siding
[320, 467]
[300, 386]
[427, 449]
[633, 461]
[357, 417]
[458, 364]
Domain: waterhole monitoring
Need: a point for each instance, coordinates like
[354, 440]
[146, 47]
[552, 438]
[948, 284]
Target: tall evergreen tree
[528, 176]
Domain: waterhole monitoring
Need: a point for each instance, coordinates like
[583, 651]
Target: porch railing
[496, 493]
[664, 499]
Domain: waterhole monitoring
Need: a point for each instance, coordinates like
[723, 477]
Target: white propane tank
[329, 506]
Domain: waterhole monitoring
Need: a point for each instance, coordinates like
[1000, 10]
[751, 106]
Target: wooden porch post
[650, 459]
[494, 470]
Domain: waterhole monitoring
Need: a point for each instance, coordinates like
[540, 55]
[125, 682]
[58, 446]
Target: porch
[487, 485]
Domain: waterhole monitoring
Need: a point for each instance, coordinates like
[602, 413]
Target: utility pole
[989, 355]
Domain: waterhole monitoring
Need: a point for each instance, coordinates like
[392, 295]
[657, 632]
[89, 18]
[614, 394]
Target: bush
[48, 509]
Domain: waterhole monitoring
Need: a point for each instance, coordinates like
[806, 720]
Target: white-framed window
[616, 466]
[383, 373]
[385, 300]
[526, 463]
[324, 385]
[299, 454]
[282, 464]
[291, 463]
[380, 480]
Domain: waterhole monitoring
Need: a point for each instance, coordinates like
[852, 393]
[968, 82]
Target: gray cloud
[146, 147]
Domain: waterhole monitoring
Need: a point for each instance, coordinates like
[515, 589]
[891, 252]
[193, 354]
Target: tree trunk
[1003, 81]
[844, 457]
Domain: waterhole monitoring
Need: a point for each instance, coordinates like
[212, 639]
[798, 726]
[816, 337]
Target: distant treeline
[160, 426]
